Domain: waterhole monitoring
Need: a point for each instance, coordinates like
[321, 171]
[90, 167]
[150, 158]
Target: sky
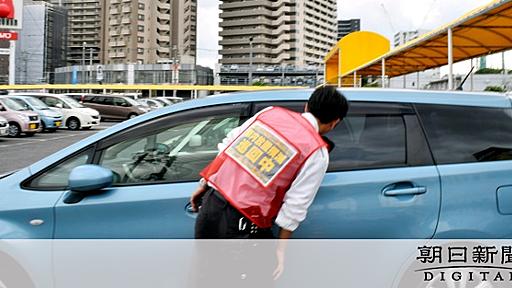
[382, 16]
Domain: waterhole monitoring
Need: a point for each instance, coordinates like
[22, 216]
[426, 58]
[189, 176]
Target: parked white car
[4, 126]
[76, 115]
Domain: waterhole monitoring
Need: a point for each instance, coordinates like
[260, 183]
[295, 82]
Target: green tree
[495, 89]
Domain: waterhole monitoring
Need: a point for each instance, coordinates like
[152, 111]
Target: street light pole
[250, 60]
[83, 62]
[90, 64]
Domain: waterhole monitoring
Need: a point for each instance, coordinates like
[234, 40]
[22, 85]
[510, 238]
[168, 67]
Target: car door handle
[405, 191]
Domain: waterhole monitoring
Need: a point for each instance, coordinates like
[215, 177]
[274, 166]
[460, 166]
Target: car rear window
[459, 134]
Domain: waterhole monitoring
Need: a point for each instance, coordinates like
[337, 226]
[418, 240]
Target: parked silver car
[4, 126]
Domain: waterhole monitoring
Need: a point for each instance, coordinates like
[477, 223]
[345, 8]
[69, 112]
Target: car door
[381, 182]
[156, 166]
[473, 149]
[120, 107]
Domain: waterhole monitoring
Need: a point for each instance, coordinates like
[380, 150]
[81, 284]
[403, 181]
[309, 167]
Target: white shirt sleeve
[303, 190]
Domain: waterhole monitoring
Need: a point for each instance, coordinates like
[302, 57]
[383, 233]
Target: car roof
[36, 94]
[459, 98]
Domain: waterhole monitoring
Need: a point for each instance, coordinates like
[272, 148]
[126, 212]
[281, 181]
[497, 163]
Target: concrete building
[346, 27]
[478, 82]
[4, 64]
[403, 37]
[148, 32]
[135, 74]
[84, 27]
[414, 80]
[42, 45]
[286, 32]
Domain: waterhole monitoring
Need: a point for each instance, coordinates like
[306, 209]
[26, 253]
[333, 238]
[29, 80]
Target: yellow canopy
[483, 31]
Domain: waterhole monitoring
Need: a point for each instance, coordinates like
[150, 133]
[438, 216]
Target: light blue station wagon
[407, 165]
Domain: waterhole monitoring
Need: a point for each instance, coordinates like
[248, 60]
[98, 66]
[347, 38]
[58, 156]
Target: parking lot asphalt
[17, 153]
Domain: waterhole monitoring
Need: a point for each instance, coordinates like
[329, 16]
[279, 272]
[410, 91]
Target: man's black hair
[327, 104]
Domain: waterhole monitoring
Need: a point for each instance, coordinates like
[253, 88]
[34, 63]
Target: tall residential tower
[148, 32]
[297, 33]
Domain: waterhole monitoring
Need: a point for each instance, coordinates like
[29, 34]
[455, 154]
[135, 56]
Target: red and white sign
[8, 36]
[7, 9]
[11, 14]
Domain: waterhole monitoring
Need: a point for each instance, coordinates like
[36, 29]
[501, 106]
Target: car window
[459, 134]
[368, 141]
[174, 153]
[22, 103]
[120, 102]
[372, 136]
[52, 102]
[56, 178]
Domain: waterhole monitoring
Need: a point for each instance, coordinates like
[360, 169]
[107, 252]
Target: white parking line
[32, 141]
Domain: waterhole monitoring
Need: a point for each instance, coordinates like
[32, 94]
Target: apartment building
[296, 33]
[403, 37]
[84, 26]
[346, 27]
[148, 32]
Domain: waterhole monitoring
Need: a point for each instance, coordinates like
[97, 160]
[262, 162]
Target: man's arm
[302, 192]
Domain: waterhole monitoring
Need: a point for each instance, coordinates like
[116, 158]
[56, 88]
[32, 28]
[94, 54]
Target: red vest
[254, 172]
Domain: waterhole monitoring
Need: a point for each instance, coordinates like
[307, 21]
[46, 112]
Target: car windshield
[13, 105]
[72, 102]
[133, 102]
[142, 103]
[37, 104]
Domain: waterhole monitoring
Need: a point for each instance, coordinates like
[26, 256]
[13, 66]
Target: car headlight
[23, 117]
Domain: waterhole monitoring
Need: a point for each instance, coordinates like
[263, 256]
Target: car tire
[14, 129]
[132, 115]
[43, 127]
[73, 124]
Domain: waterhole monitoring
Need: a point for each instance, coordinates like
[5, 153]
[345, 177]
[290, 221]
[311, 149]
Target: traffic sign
[99, 73]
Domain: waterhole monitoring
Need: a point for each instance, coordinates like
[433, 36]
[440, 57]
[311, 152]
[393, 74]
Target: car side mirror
[87, 180]
[59, 105]
[196, 141]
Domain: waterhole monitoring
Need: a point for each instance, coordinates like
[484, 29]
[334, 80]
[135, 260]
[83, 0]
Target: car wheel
[43, 127]
[14, 129]
[73, 124]
[132, 115]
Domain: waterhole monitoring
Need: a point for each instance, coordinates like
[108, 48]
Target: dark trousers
[234, 263]
[217, 219]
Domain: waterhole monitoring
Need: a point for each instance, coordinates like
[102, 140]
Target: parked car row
[28, 112]
[122, 106]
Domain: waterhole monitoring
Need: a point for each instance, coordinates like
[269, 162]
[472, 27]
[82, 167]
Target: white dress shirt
[303, 190]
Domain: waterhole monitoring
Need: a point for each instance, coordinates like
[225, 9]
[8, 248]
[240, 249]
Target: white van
[76, 115]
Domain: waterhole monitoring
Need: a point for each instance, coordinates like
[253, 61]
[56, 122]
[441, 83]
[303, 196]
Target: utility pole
[90, 64]
[175, 79]
[250, 61]
[83, 62]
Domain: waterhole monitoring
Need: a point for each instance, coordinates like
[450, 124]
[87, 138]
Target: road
[16, 153]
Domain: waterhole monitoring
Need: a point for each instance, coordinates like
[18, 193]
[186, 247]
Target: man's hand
[284, 235]
[196, 197]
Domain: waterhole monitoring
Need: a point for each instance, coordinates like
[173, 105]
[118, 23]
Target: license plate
[58, 123]
[32, 126]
